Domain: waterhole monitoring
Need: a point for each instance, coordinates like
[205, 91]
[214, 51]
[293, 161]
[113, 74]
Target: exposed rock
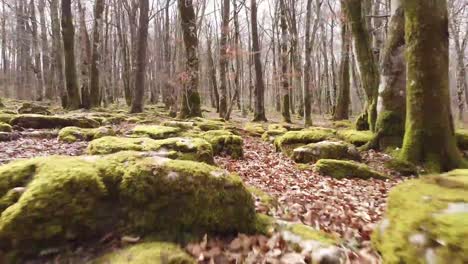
[224, 142]
[325, 150]
[43, 121]
[73, 134]
[156, 132]
[293, 139]
[346, 169]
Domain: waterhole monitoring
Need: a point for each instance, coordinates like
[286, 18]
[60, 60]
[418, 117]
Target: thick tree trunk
[68, 35]
[94, 86]
[429, 135]
[190, 106]
[365, 56]
[141, 60]
[259, 112]
[224, 59]
[57, 48]
[343, 100]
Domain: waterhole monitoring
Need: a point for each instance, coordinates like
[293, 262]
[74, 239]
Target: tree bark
[429, 135]
[343, 100]
[285, 111]
[57, 48]
[85, 58]
[259, 111]
[224, 59]
[94, 85]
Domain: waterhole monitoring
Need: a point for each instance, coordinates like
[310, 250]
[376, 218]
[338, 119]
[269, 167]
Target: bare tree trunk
[285, 111]
[48, 91]
[212, 70]
[259, 114]
[57, 49]
[224, 59]
[37, 65]
[94, 86]
[343, 100]
[85, 58]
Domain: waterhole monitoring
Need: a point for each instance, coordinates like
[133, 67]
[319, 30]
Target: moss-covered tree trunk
[391, 104]
[364, 56]
[68, 36]
[285, 111]
[343, 100]
[259, 113]
[429, 137]
[190, 106]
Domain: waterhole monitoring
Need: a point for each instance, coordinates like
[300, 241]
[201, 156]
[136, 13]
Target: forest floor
[347, 208]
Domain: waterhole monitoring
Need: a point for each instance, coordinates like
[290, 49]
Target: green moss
[346, 169]
[462, 138]
[79, 198]
[156, 132]
[292, 139]
[196, 149]
[273, 131]
[43, 121]
[224, 142]
[30, 108]
[266, 199]
[207, 125]
[4, 127]
[343, 124]
[147, 253]
[362, 122]
[357, 138]
[325, 150]
[255, 129]
[309, 233]
[430, 212]
[73, 134]
[6, 118]
[403, 167]
[179, 124]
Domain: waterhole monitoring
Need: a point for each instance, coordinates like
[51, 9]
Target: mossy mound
[6, 118]
[403, 167]
[357, 138]
[425, 222]
[30, 108]
[44, 121]
[293, 139]
[325, 150]
[340, 169]
[147, 253]
[179, 124]
[78, 198]
[195, 149]
[225, 142]
[255, 129]
[362, 122]
[273, 131]
[156, 132]
[343, 124]
[4, 127]
[263, 197]
[207, 124]
[462, 138]
[73, 134]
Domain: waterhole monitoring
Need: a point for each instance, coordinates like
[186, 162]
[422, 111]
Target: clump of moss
[343, 124]
[254, 129]
[273, 131]
[196, 149]
[425, 219]
[462, 138]
[207, 124]
[340, 169]
[77, 198]
[224, 142]
[156, 132]
[266, 199]
[357, 138]
[147, 253]
[179, 124]
[403, 167]
[30, 108]
[4, 127]
[6, 118]
[73, 134]
[362, 122]
[325, 150]
[293, 139]
[44, 121]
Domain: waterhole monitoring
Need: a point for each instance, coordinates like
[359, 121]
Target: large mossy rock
[6, 118]
[225, 142]
[44, 122]
[156, 132]
[340, 169]
[195, 149]
[179, 124]
[462, 138]
[30, 108]
[355, 137]
[255, 129]
[208, 124]
[73, 134]
[47, 202]
[147, 253]
[274, 131]
[325, 150]
[426, 221]
[4, 127]
[293, 139]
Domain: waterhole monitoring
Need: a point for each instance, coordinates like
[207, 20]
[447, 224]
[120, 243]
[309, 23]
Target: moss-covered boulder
[30, 108]
[4, 127]
[6, 118]
[355, 137]
[325, 150]
[426, 221]
[402, 167]
[293, 139]
[73, 134]
[147, 253]
[179, 124]
[44, 121]
[255, 129]
[462, 138]
[343, 124]
[73, 199]
[224, 142]
[274, 131]
[208, 124]
[195, 149]
[340, 169]
[156, 132]
[362, 122]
